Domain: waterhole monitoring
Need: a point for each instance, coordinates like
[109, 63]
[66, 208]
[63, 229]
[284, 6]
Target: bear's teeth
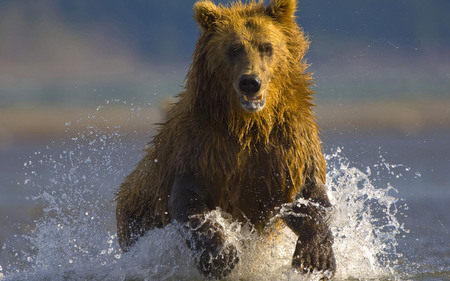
[256, 98]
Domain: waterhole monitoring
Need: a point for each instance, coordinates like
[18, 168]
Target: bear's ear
[206, 13]
[282, 10]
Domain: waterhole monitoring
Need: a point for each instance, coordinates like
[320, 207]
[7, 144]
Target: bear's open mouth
[254, 103]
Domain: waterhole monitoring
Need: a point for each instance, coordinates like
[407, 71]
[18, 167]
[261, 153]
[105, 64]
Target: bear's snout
[252, 98]
[249, 84]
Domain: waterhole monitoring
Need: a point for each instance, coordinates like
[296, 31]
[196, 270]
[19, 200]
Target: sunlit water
[75, 239]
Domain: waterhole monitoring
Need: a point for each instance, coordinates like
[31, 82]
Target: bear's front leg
[308, 219]
[187, 204]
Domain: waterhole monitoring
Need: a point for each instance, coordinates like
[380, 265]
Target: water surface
[391, 220]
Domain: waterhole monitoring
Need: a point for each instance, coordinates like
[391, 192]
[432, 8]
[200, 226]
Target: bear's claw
[218, 264]
[315, 259]
[213, 256]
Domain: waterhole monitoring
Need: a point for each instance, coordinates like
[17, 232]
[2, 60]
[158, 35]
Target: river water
[391, 197]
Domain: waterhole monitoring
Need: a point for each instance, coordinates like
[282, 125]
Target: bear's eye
[266, 49]
[234, 50]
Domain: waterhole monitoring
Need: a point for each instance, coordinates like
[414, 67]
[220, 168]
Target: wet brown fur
[247, 163]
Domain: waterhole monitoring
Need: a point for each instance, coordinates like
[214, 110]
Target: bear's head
[250, 51]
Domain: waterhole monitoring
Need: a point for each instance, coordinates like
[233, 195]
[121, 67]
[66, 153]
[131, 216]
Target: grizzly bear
[241, 138]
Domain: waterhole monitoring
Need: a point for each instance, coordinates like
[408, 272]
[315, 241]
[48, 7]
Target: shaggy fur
[246, 163]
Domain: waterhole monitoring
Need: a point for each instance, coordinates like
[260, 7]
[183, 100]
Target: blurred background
[382, 71]
[63, 53]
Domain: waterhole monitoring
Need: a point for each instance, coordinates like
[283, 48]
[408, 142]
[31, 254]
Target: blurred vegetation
[67, 51]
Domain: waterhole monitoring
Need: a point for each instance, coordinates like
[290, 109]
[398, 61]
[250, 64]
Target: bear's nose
[249, 84]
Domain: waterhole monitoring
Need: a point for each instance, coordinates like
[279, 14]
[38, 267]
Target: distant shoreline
[47, 122]
[395, 116]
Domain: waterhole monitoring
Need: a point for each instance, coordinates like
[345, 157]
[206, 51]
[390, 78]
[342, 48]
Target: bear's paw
[315, 258]
[218, 263]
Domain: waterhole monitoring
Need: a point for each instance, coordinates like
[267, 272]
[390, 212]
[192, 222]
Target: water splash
[75, 238]
[365, 219]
